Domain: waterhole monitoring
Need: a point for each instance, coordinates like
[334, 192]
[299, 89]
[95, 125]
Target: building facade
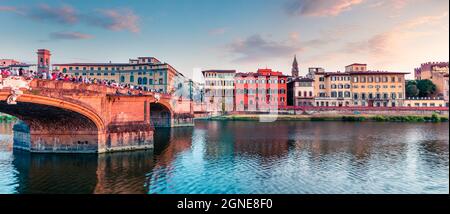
[332, 89]
[301, 92]
[438, 73]
[147, 72]
[219, 90]
[263, 91]
[358, 86]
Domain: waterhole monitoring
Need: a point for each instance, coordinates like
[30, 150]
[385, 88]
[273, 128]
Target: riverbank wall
[403, 115]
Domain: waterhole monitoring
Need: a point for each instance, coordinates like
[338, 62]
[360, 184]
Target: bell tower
[295, 70]
[43, 65]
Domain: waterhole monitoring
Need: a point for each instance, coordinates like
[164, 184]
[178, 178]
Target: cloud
[388, 43]
[70, 36]
[320, 7]
[7, 9]
[256, 48]
[217, 31]
[111, 19]
[115, 20]
[64, 14]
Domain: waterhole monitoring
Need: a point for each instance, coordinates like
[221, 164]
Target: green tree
[426, 88]
[411, 89]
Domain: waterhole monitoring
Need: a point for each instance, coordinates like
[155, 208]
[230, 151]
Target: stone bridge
[68, 117]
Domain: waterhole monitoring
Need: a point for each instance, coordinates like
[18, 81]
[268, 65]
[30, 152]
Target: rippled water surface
[248, 157]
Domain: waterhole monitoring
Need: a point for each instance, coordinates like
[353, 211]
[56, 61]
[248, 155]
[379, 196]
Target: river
[248, 157]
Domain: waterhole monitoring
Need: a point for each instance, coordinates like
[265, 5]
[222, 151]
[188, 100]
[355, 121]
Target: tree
[426, 88]
[412, 90]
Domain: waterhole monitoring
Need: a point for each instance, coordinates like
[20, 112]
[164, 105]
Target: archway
[160, 115]
[47, 128]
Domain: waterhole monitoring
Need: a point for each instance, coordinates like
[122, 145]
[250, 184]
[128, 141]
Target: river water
[248, 157]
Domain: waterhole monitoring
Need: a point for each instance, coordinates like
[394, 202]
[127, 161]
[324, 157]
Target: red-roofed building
[263, 91]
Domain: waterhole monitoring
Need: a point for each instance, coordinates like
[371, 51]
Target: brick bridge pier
[66, 117]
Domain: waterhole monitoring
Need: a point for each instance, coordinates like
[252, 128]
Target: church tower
[295, 70]
[43, 65]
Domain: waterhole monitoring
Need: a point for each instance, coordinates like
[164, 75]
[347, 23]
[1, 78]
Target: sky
[192, 35]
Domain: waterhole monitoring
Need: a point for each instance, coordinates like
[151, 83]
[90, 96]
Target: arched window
[310, 94]
[131, 78]
[144, 81]
[305, 94]
[299, 93]
[139, 81]
[122, 79]
[64, 70]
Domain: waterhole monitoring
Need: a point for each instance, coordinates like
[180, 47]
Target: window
[299, 93]
[355, 96]
[131, 78]
[139, 81]
[144, 81]
[333, 94]
[122, 79]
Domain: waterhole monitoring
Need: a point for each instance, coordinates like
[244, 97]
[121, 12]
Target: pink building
[262, 91]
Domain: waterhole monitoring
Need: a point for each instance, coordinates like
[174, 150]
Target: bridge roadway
[66, 117]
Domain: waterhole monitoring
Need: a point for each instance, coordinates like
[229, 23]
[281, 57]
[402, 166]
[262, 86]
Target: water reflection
[246, 157]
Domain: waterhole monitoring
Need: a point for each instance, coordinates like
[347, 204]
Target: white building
[219, 90]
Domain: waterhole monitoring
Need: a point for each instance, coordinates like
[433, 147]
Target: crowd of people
[59, 76]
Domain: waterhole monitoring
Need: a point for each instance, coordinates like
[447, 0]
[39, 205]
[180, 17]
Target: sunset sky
[394, 35]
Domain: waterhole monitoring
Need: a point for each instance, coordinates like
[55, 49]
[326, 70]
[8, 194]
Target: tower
[295, 70]
[43, 64]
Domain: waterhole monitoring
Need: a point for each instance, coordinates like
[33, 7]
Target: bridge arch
[161, 115]
[54, 124]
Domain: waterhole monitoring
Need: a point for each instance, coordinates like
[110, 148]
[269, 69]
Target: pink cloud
[116, 20]
[65, 14]
[320, 7]
[70, 36]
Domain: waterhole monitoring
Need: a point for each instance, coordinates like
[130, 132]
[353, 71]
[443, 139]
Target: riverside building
[438, 73]
[148, 72]
[219, 90]
[358, 86]
[263, 91]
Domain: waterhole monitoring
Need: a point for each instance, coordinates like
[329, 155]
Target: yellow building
[147, 72]
[359, 87]
[332, 89]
